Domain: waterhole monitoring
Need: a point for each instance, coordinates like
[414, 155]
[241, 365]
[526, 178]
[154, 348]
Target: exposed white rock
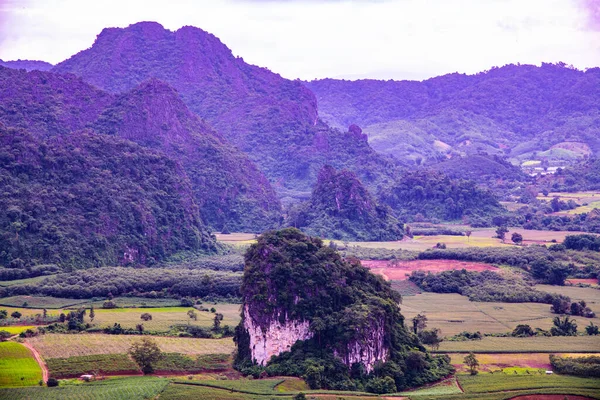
[368, 350]
[274, 339]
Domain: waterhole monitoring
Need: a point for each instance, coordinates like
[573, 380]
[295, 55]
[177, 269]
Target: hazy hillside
[90, 200]
[341, 208]
[229, 189]
[272, 119]
[515, 110]
[28, 65]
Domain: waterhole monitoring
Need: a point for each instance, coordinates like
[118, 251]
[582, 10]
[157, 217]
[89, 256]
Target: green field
[104, 364]
[536, 344]
[40, 302]
[137, 388]
[17, 366]
[141, 302]
[64, 345]
[15, 330]
[453, 313]
[163, 318]
[22, 281]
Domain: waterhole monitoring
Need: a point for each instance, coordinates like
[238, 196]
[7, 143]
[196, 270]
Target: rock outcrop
[308, 312]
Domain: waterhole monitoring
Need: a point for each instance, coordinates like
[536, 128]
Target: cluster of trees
[289, 273]
[586, 222]
[581, 366]
[483, 286]
[340, 207]
[426, 195]
[105, 281]
[564, 306]
[582, 242]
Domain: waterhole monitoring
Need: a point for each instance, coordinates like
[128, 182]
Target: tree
[140, 328]
[4, 335]
[564, 327]
[52, 382]
[517, 238]
[419, 323]
[592, 329]
[501, 232]
[217, 321]
[146, 317]
[193, 316]
[16, 314]
[3, 314]
[92, 314]
[523, 331]
[300, 396]
[45, 313]
[468, 234]
[431, 337]
[145, 353]
[471, 361]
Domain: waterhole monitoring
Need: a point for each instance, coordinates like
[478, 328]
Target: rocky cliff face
[274, 338]
[368, 349]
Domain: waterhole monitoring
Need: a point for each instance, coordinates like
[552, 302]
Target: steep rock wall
[275, 338]
[368, 349]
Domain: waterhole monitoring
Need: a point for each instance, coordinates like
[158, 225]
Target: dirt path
[39, 360]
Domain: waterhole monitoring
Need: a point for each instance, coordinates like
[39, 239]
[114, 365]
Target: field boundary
[38, 358]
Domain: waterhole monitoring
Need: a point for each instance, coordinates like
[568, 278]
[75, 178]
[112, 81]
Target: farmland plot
[536, 344]
[17, 366]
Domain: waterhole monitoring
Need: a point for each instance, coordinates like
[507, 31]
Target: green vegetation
[39, 302]
[17, 366]
[483, 383]
[146, 354]
[139, 388]
[423, 195]
[97, 363]
[288, 273]
[341, 208]
[580, 366]
[104, 174]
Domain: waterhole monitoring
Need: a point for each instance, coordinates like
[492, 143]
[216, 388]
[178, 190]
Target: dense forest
[90, 200]
[342, 208]
[517, 110]
[427, 195]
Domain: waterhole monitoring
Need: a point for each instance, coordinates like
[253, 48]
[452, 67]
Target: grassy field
[497, 382]
[590, 295]
[17, 366]
[137, 302]
[64, 345]
[495, 361]
[136, 388]
[453, 313]
[163, 318]
[15, 330]
[449, 386]
[39, 302]
[22, 281]
[237, 238]
[105, 364]
[401, 270]
[536, 344]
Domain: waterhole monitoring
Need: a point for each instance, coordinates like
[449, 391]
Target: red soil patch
[398, 270]
[550, 397]
[590, 281]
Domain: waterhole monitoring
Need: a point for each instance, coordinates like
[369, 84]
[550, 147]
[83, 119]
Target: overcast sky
[307, 39]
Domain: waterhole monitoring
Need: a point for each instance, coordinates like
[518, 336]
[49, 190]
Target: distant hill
[341, 208]
[228, 187]
[83, 199]
[423, 194]
[274, 120]
[27, 65]
[231, 192]
[522, 111]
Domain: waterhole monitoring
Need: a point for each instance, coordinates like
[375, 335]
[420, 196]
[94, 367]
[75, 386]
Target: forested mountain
[230, 191]
[84, 199]
[342, 208]
[47, 104]
[272, 119]
[27, 65]
[516, 110]
[228, 187]
[429, 195]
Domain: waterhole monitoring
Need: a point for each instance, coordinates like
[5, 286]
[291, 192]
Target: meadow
[494, 361]
[453, 313]
[163, 318]
[16, 329]
[135, 388]
[17, 366]
[40, 302]
[400, 270]
[67, 345]
[535, 344]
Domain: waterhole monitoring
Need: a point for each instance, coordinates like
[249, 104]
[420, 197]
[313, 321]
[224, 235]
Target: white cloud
[399, 39]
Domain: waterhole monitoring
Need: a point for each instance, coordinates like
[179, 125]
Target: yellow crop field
[64, 345]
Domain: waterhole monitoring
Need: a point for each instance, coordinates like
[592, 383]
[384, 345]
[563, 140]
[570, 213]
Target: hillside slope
[27, 65]
[515, 110]
[83, 199]
[342, 208]
[272, 119]
[230, 191]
